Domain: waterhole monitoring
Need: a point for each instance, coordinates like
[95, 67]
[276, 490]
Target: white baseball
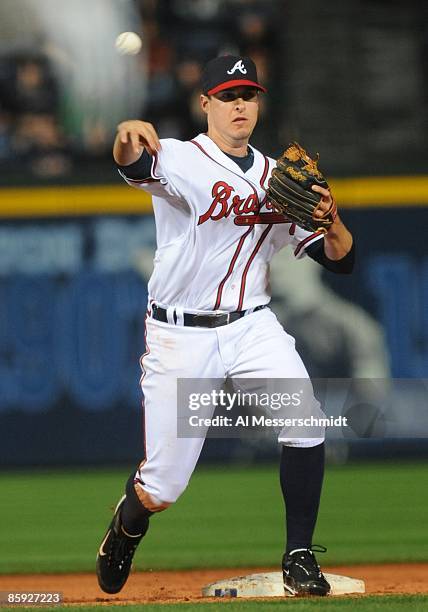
[128, 43]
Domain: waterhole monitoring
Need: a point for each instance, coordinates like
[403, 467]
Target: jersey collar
[252, 175]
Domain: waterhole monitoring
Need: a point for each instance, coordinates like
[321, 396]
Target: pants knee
[150, 501]
[159, 493]
[158, 488]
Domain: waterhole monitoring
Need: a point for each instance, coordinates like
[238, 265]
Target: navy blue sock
[135, 517]
[301, 476]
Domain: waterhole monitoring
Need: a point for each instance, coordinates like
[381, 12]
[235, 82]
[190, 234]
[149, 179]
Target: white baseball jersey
[216, 233]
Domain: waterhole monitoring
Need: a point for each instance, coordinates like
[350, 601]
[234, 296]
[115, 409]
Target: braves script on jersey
[216, 233]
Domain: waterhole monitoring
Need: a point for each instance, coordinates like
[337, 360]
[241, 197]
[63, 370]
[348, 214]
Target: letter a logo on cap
[238, 66]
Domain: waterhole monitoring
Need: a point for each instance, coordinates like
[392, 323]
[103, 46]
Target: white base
[271, 585]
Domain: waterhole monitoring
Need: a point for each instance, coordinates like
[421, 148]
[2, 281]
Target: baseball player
[208, 314]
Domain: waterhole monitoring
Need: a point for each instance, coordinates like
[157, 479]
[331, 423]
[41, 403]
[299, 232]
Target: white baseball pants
[255, 346]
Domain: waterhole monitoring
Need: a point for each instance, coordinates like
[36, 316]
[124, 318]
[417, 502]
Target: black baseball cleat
[302, 574]
[114, 558]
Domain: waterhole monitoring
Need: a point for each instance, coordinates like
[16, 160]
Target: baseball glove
[290, 190]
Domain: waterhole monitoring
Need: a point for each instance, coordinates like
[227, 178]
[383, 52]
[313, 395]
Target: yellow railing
[365, 192]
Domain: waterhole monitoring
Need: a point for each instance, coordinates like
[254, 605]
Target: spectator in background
[34, 89]
[161, 106]
[39, 144]
[197, 28]
[34, 136]
[179, 36]
[188, 75]
[5, 135]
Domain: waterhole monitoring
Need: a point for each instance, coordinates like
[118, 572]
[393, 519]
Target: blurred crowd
[179, 37]
[348, 79]
[184, 35]
[31, 136]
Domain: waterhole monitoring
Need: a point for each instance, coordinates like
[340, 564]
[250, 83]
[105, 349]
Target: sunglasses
[230, 95]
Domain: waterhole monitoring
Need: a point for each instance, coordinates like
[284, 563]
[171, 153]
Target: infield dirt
[171, 587]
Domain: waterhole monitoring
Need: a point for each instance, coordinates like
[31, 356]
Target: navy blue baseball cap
[229, 71]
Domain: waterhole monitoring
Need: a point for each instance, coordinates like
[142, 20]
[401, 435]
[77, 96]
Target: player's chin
[242, 129]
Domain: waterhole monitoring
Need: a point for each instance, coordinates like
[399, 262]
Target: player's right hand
[139, 133]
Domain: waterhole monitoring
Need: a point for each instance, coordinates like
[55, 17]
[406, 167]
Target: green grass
[54, 521]
[390, 603]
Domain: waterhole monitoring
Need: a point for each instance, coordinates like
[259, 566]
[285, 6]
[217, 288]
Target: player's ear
[204, 100]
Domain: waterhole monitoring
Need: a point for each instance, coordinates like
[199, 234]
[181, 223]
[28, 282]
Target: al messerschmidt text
[263, 421]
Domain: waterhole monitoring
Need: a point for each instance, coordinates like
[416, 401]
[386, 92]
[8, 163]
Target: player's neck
[237, 148]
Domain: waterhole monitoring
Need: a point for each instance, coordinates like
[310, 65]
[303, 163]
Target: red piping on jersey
[138, 181]
[265, 171]
[263, 218]
[143, 418]
[143, 402]
[263, 178]
[201, 148]
[147, 352]
[305, 241]
[148, 179]
[231, 266]
[141, 181]
[249, 262]
[154, 164]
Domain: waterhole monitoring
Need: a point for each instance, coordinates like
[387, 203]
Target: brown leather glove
[290, 190]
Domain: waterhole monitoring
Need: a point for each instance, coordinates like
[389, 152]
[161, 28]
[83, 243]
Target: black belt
[204, 320]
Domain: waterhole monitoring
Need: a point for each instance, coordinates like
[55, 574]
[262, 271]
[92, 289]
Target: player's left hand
[326, 200]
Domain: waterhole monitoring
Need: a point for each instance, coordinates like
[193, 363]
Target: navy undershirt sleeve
[339, 266]
[140, 169]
